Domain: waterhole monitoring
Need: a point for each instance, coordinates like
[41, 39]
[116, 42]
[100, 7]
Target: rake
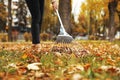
[63, 36]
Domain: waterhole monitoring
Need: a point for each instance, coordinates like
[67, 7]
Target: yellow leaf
[24, 56]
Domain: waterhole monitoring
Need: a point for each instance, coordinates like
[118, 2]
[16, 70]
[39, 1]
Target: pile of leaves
[80, 60]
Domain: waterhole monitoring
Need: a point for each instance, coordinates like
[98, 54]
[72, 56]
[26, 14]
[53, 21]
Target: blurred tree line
[98, 19]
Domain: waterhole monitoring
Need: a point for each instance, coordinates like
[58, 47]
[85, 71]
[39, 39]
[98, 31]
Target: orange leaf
[112, 70]
[87, 66]
[58, 62]
[111, 62]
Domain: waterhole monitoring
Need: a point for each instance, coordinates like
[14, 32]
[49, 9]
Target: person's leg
[35, 10]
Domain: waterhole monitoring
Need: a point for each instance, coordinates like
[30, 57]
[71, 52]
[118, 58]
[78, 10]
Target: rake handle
[62, 27]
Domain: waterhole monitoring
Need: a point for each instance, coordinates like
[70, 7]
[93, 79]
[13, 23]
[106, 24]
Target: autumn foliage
[80, 60]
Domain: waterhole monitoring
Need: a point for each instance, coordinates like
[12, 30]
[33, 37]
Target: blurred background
[83, 19]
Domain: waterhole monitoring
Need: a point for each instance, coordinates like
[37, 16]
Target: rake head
[64, 39]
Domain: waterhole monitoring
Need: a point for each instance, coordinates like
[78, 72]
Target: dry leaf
[24, 56]
[87, 66]
[77, 76]
[34, 66]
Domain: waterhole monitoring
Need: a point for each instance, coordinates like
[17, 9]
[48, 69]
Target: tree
[49, 19]
[9, 21]
[65, 13]
[112, 9]
[3, 15]
[2, 1]
[92, 15]
[47, 16]
[21, 13]
[118, 12]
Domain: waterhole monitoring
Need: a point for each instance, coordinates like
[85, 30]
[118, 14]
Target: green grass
[7, 57]
[116, 42]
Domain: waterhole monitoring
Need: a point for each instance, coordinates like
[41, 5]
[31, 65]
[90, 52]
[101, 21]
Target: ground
[79, 60]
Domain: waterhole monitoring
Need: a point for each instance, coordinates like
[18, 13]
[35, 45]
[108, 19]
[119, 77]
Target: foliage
[49, 18]
[81, 60]
[96, 17]
[27, 36]
[3, 37]
[45, 36]
[3, 15]
[91, 14]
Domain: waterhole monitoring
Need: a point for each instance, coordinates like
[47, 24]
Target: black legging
[36, 8]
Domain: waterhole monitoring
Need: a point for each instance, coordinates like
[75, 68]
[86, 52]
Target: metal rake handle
[62, 27]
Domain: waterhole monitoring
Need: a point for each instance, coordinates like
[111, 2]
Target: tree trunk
[90, 23]
[21, 14]
[118, 12]
[112, 8]
[2, 1]
[65, 13]
[9, 21]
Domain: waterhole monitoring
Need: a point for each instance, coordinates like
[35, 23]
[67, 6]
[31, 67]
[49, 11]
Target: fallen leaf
[86, 66]
[24, 56]
[59, 62]
[34, 66]
[39, 74]
[12, 65]
[77, 76]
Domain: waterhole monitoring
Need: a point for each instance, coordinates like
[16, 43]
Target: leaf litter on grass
[83, 60]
